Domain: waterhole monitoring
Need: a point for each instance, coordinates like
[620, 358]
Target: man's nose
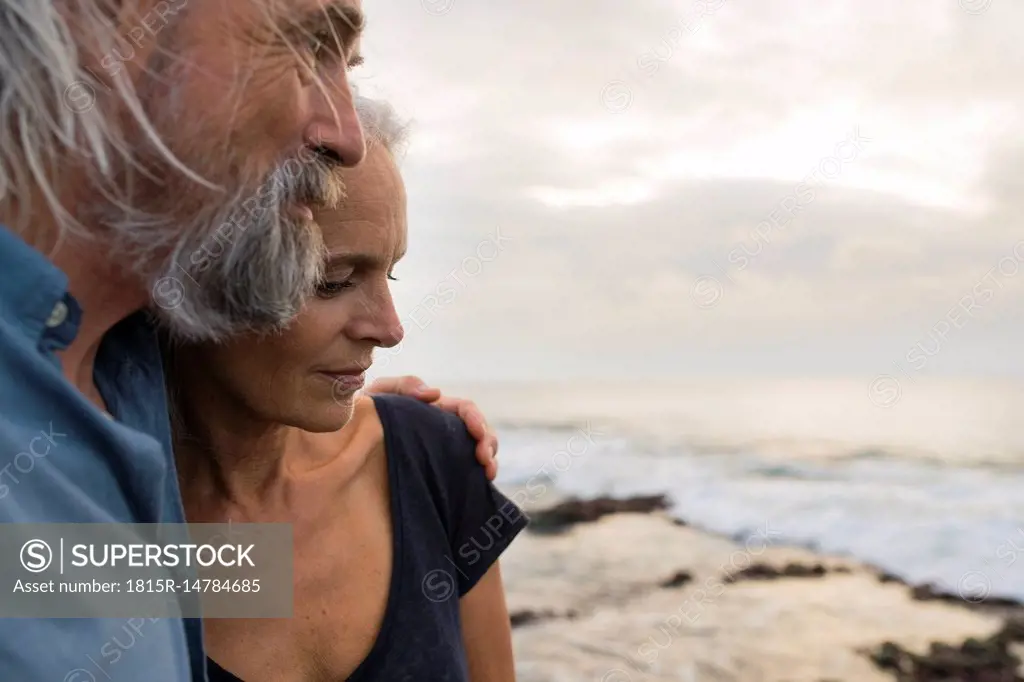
[335, 132]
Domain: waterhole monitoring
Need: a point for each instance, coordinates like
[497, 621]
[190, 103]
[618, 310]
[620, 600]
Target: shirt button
[57, 315]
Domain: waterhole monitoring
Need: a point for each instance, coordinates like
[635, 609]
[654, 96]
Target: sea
[922, 479]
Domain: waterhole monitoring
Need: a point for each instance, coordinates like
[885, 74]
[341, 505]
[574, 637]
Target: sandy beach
[633, 597]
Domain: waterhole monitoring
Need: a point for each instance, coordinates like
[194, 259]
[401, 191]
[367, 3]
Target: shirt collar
[32, 289]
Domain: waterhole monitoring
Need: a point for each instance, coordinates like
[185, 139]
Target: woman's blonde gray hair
[381, 124]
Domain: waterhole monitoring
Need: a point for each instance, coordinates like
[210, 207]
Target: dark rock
[765, 572]
[678, 580]
[933, 593]
[974, 660]
[573, 511]
[930, 593]
[1012, 632]
[527, 616]
[886, 577]
[1001, 607]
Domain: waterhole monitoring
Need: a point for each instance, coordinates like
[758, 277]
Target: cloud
[722, 118]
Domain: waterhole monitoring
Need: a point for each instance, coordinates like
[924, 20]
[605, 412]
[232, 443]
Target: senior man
[148, 154]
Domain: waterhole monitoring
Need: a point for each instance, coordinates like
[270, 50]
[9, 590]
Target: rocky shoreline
[610, 590]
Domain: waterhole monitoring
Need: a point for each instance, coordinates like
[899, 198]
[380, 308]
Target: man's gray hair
[382, 125]
[50, 115]
[226, 260]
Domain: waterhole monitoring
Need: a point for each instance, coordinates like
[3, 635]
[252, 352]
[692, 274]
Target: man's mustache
[314, 180]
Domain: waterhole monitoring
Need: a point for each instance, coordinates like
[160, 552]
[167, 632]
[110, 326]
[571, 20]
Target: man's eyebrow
[346, 21]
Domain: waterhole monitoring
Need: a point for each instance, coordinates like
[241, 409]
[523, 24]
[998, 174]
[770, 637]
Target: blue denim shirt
[63, 461]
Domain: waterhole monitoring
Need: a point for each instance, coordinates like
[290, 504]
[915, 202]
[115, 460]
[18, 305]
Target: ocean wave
[917, 516]
[542, 425]
[786, 450]
[793, 472]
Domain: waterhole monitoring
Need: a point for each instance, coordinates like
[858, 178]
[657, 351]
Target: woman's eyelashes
[336, 280]
[333, 285]
[330, 288]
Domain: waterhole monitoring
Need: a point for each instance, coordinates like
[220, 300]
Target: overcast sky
[671, 188]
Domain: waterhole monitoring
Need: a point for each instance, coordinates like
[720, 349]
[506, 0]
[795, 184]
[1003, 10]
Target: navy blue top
[450, 525]
[63, 461]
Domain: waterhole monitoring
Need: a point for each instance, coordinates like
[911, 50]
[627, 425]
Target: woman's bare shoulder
[365, 419]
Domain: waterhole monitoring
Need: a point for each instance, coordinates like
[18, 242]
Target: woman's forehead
[375, 179]
[367, 222]
[374, 205]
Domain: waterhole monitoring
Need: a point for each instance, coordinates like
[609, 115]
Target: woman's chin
[328, 417]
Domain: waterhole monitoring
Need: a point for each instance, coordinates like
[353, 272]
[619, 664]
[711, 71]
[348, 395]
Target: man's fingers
[466, 410]
[474, 419]
[476, 424]
[491, 470]
[485, 455]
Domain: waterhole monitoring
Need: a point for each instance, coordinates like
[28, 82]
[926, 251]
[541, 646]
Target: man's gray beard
[242, 265]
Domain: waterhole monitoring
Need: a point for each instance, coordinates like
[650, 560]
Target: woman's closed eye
[330, 286]
[336, 280]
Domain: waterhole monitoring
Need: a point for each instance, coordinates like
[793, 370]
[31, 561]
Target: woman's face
[307, 375]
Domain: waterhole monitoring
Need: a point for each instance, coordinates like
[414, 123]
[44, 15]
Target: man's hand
[486, 440]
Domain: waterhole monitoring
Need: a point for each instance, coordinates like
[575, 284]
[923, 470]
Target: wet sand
[620, 597]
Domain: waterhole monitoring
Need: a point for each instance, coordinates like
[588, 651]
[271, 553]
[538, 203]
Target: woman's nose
[391, 333]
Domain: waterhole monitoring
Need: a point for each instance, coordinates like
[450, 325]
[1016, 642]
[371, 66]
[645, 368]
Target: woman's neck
[232, 460]
[228, 456]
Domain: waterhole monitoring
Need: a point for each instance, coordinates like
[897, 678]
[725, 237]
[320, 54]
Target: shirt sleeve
[485, 520]
[478, 520]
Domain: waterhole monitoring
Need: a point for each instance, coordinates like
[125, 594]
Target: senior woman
[397, 531]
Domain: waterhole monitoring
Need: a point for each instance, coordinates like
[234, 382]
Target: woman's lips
[343, 383]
